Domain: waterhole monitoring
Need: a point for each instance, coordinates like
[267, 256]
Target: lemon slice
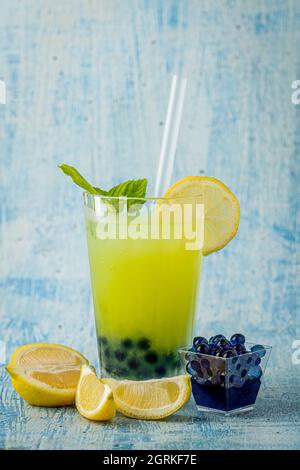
[46, 374]
[221, 208]
[151, 399]
[94, 399]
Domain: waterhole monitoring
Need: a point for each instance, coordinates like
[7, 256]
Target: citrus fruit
[221, 208]
[151, 399]
[94, 399]
[46, 374]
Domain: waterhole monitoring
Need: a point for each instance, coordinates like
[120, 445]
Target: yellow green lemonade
[145, 283]
[145, 294]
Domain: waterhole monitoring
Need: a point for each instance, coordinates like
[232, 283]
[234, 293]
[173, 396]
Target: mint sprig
[135, 189]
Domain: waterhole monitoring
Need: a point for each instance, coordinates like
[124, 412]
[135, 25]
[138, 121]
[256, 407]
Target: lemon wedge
[94, 399]
[151, 399]
[46, 374]
[221, 208]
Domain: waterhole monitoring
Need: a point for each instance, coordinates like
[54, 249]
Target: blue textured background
[88, 84]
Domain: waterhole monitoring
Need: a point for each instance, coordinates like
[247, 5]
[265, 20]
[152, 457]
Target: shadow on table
[281, 401]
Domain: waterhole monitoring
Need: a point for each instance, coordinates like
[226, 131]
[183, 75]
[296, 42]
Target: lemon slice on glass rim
[221, 208]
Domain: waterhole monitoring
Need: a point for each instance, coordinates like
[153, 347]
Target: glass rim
[145, 199]
[186, 349]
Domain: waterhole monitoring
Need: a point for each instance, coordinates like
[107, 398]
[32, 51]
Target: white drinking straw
[170, 136]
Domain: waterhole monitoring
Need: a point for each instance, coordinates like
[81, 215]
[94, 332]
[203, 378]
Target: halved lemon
[46, 374]
[221, 208]
[151, 399]
[94, 399]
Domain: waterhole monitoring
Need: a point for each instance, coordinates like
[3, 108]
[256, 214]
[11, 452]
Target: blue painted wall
[88, 84]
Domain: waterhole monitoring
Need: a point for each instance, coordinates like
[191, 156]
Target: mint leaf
[132, 189]
[135, 189]
[80, 180]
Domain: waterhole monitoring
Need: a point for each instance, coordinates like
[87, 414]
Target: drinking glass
[145, 264]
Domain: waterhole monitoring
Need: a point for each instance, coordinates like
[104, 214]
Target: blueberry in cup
[226, 374]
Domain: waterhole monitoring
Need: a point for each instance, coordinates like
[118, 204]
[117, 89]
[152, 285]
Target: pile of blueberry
[243, 364]
[224, 384]
[136, 359]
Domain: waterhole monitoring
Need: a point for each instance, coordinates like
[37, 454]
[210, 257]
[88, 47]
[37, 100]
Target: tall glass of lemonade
[145, 263]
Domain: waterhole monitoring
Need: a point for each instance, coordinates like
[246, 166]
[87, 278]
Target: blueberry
[255, 372]
[133, 364]
[143, 343]
[189, 356]
[120, 355]
[259, 349]
[205, 363]
[127, 343]
[232, 365]
[244, 361]
[222, 343]
[237, 338]
[151, 357]
[202, 348]
[190, 370]
[214, 339]
[240, 348]
[257, 361]
[160, 371]
[217, 351]
[211, 348]
[199, 340]
[230, 352]
[121, 372]
[107, 353]
[244, 373]
[102, 340]
[197, 367]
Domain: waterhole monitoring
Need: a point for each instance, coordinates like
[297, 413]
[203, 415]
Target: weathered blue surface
[88, 83]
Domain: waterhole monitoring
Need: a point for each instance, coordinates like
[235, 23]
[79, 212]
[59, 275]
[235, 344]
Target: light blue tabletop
[87, 84]
[274, 424]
